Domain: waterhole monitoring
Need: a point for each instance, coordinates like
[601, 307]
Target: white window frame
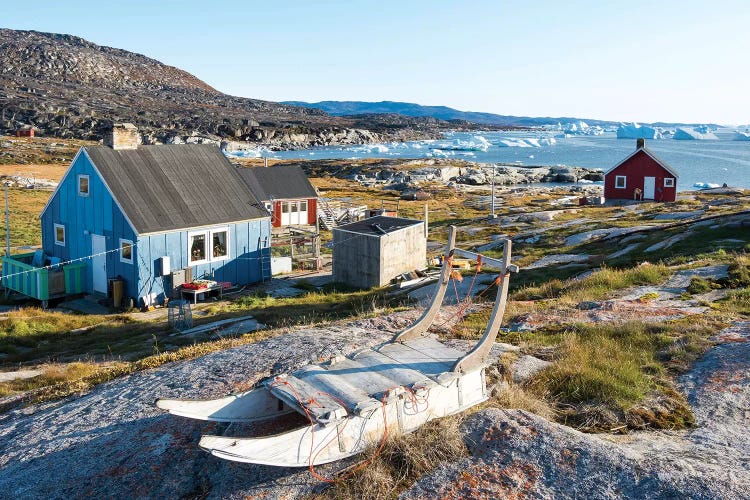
[205, 247]
[211, 244]
[624, 181]
[132, 249]
[58, 242]
[88, 185]
[669, 182]
[209, 250]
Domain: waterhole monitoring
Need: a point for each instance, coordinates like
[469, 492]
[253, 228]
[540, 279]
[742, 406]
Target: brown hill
[66, 86]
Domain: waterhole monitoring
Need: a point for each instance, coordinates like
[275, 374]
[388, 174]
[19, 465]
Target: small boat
[352, 402]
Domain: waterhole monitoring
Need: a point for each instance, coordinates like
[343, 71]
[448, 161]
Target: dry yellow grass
[53, 172]
[402, 460]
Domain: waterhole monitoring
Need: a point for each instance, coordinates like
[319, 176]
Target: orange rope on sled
[312, 457]
[464, 303]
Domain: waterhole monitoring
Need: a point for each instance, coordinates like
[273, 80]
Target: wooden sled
[352, 401]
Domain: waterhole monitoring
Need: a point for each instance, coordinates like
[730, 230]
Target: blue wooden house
[142, 213]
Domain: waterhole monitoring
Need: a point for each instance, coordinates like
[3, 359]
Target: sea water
[699, 162]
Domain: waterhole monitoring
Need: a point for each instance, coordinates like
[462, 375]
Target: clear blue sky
[639, 60]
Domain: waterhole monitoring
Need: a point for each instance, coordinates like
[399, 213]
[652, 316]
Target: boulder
[516, 454]
[526, 367]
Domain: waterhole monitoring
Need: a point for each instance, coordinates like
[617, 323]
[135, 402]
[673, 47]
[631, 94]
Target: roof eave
[204, 226]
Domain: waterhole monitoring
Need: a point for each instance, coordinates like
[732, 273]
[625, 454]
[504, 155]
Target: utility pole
[492, 201]
[7, 223]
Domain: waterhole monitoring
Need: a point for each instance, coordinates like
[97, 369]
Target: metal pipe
[7, 223]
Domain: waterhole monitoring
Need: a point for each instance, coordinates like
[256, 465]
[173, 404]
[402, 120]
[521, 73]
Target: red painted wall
[276, 217]
[635, 169]
[312, 212]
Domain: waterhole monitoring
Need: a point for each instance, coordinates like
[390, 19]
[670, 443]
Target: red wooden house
[641, 176]
[286, 193]
[25, 132]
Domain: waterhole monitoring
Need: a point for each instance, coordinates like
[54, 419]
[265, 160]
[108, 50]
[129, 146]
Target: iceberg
[479, 143]
[247, 153]
[528, 142]
[369, 148]
[741, 136]
[701, 133]
[635, 131]
[547, 141]
[579, 128]
[705, 185]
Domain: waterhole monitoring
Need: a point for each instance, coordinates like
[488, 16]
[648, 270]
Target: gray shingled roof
[281, 182]
[164, 188]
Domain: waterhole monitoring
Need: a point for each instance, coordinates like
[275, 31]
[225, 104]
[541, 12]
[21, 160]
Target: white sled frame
[351, 401]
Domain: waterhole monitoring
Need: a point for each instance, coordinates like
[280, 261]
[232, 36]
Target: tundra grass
[88, 375]
[34, 336]
[617, 368]
[596, 286]
[24, 207]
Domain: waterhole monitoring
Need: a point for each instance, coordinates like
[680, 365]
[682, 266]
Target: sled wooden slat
[386, 366]
[339, 386]
[292, 391]
[415, 360]
[435, 349]
[371, 375]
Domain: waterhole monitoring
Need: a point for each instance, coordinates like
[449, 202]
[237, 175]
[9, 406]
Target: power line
[71, 261]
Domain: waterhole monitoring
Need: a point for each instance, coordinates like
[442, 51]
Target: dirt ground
[50, 172]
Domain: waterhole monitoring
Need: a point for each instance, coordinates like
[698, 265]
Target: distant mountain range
[350, 108]
[347, 108]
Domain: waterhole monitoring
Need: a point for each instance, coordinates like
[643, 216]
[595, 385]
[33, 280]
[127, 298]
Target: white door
[285, 215]
[302, 212]
[649, 184]
[293, 215]
[99, 263]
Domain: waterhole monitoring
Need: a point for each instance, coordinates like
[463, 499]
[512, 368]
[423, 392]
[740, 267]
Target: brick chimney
[640, 143]
[122, 136]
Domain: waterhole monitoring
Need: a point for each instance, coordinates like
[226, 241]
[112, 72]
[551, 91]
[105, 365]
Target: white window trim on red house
[624, 181]
[669, 182]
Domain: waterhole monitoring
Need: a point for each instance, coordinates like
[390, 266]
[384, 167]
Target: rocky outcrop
[516, 454]
[68, 87]
[508, 175]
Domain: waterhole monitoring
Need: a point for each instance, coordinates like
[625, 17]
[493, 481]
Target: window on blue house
[219, 244]
[59, 235]
[208, 246]
[83, 185]
[126, 251]
[197, 247]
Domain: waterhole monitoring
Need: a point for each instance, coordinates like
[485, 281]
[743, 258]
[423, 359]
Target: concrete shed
[373, 251]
